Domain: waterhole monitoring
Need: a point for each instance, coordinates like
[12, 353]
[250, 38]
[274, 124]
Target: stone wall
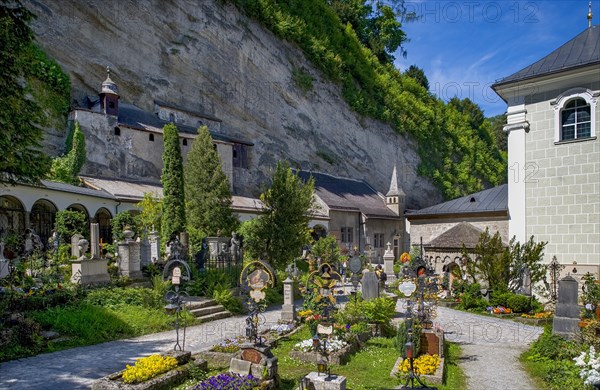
[210, 58]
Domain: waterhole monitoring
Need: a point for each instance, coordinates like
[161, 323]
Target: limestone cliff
[209, 57]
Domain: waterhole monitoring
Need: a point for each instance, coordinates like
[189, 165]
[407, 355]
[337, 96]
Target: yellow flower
[148, 367]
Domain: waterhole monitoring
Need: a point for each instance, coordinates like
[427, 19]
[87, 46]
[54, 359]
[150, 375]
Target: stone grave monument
[370, 285]
[129, 256]
[86, 270]
[95, 241]
[75, 245]
[388, 264]
[566, 319]
[154, 239]
[288, 311]
[145, 253]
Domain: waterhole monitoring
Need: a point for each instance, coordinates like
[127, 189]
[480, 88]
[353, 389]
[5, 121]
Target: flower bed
[430, 368]
[339, 351]
[175, 376]
[229, 381]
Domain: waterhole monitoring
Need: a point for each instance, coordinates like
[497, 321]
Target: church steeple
[589, 16]
[394, 199]
[109, 96]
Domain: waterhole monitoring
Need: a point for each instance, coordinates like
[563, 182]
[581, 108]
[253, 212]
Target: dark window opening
[117, 131]
[215, 146]
[240, 156]
[151, 137]
[111, 104]
[184, 142]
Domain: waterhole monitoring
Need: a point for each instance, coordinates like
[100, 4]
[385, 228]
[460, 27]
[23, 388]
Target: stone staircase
[205, 309]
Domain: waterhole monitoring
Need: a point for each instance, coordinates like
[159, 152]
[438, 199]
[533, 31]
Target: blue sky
[464, 46]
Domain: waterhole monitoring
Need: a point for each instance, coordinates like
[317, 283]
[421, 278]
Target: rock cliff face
[209, 57]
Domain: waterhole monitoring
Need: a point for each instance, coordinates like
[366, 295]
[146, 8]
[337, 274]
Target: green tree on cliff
[20, 138]
[66, 168]
[208, 198]
[282, 230]
[173, 217]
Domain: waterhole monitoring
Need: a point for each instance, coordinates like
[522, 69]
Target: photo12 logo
[473, 11]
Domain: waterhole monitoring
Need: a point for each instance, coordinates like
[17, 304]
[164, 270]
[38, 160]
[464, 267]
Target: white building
[554, 152]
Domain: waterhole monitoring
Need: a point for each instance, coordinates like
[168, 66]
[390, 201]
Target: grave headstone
[288, 311]
[154, 246]
[370, 285]
[129, 256]
[86, 270]
[75, 245]
[324, 382]
[95, 241]
[388, 263]
[145, 253]
[566, 318]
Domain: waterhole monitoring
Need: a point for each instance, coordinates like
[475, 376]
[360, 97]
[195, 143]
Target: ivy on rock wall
[457, 156]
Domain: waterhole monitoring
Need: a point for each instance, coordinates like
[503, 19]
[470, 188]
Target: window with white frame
[575, 112]
[575, 120]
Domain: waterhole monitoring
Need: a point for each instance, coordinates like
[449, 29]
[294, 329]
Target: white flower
[590, 371]
[589, 306]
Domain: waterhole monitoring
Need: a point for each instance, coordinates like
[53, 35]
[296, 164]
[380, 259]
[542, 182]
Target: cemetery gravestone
[154, 246]
[4, 263]
[370, 285]
[288, 311]
[75, 245]
[566, 319]
[95, 241]
[388, 263]
[129, 256]
[145, 253]
[88, 271]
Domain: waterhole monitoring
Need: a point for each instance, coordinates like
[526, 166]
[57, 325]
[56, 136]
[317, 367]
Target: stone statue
[32, 241]
[83, 247]
[235, 248]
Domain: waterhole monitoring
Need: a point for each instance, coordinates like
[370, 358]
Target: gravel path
[77, 368]
[491, 348]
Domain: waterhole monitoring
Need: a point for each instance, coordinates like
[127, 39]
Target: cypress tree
[173, 218]
[208, 197]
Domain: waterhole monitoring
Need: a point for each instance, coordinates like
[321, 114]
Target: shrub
[224, 296]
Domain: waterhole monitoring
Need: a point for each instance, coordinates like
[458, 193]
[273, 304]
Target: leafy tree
[502, 266]
[69, 223]
[173, 217]
[20, 138]
[282, 230]
[378, 25]
[120, 221]
[327, 249]
[467, 107]
[66, 168]
[150, 215]
[497, 124]
[418, 74]
[208, 198]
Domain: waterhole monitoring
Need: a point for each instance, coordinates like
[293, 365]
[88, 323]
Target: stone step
[197, 303]
[214, 316]
[203, 311]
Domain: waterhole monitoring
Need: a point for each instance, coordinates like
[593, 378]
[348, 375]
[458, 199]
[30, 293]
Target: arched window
[117, 131]
[575, 115]
[151, 137]
[184, 142]
[575, 120]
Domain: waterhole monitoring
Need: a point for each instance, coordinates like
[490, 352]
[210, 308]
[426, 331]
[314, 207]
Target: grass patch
[454, 377]
[302, 79]
[87, 324]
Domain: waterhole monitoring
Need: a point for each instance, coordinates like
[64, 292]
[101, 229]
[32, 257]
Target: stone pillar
[388, 263]
[75, 245]
[95, 240]
[288, 311]
[154, 246]
[370, 285]
[566, 319]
